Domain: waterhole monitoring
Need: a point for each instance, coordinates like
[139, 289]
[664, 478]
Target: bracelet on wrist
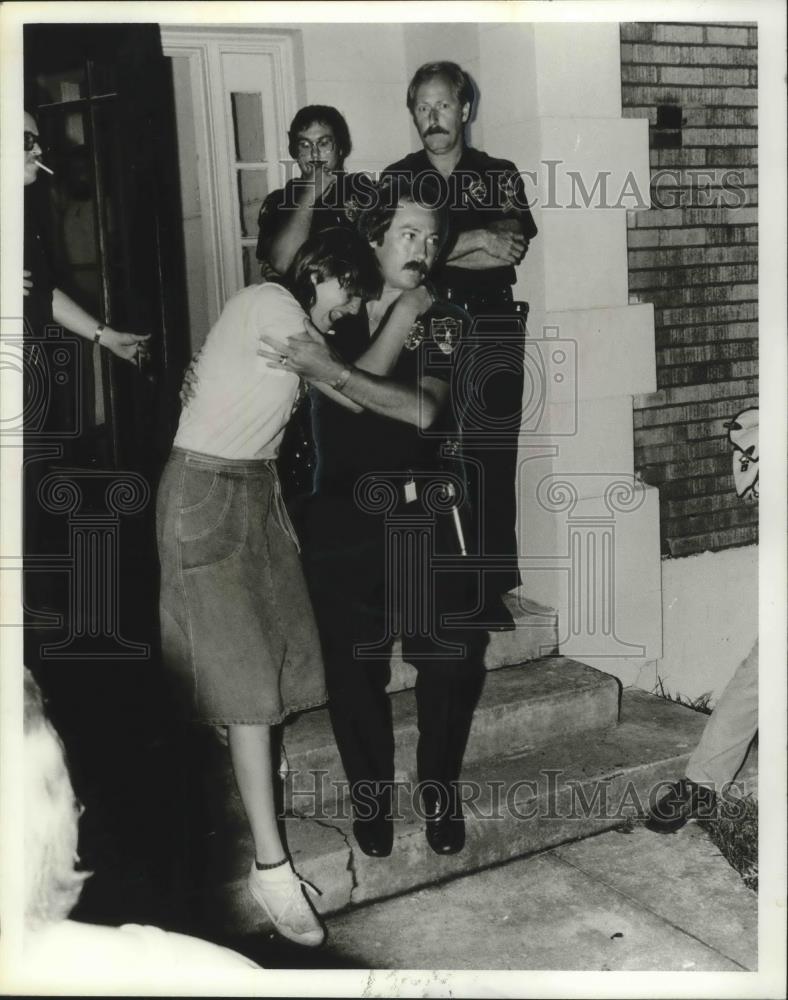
[341, 380]
[97, 335]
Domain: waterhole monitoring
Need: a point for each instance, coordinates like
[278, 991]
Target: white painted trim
[205, 48]
[203, 128]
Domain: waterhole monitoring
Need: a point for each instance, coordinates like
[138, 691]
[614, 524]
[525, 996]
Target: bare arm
[313, 360]
[388, 398]
[281, 246]
[386, 346]
[496, 245]
[67, 313]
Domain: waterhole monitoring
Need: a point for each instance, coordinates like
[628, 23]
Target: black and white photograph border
[651, 558]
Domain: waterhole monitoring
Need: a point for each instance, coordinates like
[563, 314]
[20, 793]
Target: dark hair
[334, 253]
[394, 190]
[457, 77]
[325, 115]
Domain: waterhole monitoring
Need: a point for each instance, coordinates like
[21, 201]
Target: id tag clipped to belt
[410, 490]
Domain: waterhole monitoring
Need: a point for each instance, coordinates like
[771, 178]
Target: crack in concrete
[351, 865]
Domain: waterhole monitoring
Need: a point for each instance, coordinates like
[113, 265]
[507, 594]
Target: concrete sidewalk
[617, 901]
[636, 901]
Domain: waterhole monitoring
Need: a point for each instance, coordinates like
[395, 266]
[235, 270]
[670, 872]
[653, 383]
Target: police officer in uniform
[383, 514]
[489, 231]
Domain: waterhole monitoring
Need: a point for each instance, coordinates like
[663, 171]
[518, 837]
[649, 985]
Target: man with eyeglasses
[319, 141]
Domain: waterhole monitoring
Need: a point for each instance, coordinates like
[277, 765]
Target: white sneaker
[281, 893]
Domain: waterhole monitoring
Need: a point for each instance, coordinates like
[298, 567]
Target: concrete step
[519, 802]
[520, 708]
[534, 636]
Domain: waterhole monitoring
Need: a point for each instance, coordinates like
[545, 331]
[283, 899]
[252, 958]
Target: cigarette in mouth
[43, 167]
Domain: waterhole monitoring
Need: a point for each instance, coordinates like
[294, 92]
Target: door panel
[102, 97]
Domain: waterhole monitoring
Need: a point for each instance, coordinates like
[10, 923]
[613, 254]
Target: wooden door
[102, 96]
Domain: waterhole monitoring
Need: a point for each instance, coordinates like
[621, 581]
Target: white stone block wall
[711, 620]
[552, 103]
[362, 73]
[548, 92]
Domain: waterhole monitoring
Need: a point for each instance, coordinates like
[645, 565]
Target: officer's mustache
[416, 265]
[436, 130]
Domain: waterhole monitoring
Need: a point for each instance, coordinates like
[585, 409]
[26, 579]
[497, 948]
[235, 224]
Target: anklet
[276, 864]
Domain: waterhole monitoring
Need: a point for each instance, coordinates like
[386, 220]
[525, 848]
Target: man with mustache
[489, 230]
[319, 141]
[384, 486]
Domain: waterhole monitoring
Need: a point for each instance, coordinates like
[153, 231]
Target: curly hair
[51, 818]
[336, 252]
[322, 114]
[456, 76]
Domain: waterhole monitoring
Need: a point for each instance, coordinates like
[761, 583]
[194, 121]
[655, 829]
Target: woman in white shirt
[238, 633]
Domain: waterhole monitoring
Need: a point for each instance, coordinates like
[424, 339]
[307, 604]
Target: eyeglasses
[32, 139]
[325, 144]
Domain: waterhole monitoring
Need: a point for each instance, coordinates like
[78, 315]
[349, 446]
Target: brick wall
[694, 254]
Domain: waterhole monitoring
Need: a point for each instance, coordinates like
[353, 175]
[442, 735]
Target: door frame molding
[204, 48]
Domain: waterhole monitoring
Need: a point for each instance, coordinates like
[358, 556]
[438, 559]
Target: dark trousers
[362, 592]
[488, 393]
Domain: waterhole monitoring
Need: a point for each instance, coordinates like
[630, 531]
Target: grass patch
[735, 832]
[700, 704]
[734, 828]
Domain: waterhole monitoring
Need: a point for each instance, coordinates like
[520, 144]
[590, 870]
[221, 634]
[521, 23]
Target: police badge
[415, 336]
[445, 331]
[509, 194]
[476, 192]
[352, 208]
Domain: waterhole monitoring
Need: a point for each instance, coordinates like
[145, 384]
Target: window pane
[248, 127]
[252, 189]
[103, 78]
[251, 266]
[69, 85]
[73, 206]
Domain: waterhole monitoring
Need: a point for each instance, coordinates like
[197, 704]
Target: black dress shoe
[494, 616]
[684, 800]
[374, 836]
[444, 823]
